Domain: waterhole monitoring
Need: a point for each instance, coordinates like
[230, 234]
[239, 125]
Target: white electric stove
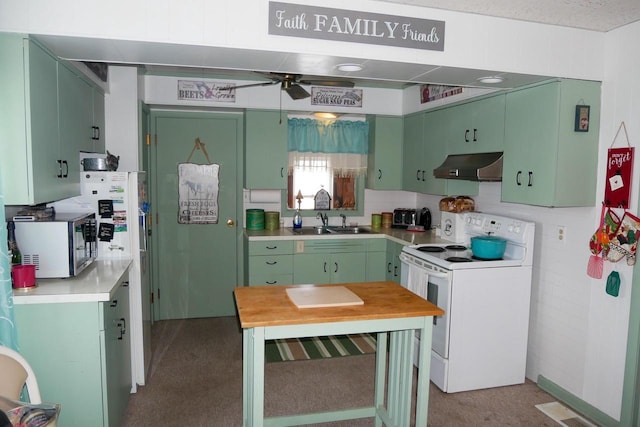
[481, 340]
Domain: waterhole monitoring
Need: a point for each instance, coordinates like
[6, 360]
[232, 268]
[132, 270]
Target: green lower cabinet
[376, 260]
[393, 261]
[81, 356]
[337, 268]
[271, 270]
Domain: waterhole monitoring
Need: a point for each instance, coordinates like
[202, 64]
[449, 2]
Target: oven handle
[429, 271]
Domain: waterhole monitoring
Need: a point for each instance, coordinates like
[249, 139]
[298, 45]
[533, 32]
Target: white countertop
[97, 283]
[398, 235]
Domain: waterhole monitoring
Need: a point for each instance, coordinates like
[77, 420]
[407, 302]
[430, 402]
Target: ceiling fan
[290, 83]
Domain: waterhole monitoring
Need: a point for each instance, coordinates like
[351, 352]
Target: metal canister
[376, 220]
[271, 220]
[255, 219]
[387, 219]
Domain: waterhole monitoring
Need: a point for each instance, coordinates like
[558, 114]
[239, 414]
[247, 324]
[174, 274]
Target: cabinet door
[384, 167]
[266, 157]
[413, 173]
[476, 126]
[98, 121]
[437, 131]
[116, 374]
[348, 267]
[311, 268]
[531, 135]
[376, 266]
[42, 128]
[393, 261]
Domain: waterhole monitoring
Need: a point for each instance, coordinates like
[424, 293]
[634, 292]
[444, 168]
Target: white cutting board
[322, 296]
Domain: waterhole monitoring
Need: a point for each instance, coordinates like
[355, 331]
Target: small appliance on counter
[452, 226]
[59, 246]
[413, 219]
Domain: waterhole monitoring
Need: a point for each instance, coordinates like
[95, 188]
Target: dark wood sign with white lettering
[295, 20]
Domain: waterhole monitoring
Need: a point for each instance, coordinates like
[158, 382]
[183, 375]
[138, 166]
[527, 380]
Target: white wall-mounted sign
[336, 96]
[296, 20]
[198, 90]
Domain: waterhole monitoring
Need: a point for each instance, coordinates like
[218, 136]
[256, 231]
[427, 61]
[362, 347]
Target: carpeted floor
[196, 380]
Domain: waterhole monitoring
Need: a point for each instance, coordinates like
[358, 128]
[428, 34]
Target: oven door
[434, 284]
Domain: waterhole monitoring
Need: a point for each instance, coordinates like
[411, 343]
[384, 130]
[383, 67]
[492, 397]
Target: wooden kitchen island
[388, 309]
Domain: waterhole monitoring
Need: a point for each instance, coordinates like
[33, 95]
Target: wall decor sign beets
[198, 90]
[296, 20]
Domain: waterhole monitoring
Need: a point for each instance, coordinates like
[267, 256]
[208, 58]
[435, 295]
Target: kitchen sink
[324, 230]
[347, 230]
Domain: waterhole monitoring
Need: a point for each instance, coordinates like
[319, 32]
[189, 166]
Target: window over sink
[330, 156]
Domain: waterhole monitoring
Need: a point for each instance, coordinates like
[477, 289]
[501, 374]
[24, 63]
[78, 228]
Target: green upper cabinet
[47, 113]
[81, 112]
[546, 162]
[384, 164]
[476, 126]
[266, 157]
[30, 162]
[425, 148]
[413, 172]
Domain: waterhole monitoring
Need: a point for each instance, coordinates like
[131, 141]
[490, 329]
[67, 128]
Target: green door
[197, 264]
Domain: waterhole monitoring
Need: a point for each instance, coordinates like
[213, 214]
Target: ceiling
[596, 15]
[216, 62]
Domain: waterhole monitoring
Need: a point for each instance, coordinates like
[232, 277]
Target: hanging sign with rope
[619, 172]
[198, 190]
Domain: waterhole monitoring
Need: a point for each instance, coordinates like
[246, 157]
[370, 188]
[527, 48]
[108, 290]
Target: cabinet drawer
[270, 247]
[265, 280]
[332, 246]
[269, 264]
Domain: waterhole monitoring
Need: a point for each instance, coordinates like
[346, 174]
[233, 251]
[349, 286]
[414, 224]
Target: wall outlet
[562, 233]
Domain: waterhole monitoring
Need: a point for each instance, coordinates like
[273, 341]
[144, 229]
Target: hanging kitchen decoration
[619, 173]
[624, 243]
[600, 240]
[198, 190]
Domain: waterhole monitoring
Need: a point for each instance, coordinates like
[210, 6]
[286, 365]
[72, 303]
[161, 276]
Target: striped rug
[319, 347]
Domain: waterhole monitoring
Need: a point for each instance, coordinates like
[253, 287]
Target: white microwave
[61, 246]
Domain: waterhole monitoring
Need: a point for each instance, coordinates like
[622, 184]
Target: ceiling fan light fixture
[349, 67]
[325, 115]
[491, 79]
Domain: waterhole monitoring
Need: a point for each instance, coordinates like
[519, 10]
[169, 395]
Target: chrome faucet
[323, 217]
[344, 220]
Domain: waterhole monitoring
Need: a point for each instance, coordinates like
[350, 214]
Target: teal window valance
[340, 146]
[339, 136]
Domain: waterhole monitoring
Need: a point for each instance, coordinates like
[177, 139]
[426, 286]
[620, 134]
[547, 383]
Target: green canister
[271, 220]
[255, 219]
[376, 220]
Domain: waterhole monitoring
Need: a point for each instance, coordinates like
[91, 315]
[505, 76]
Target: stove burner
[457, 259]
[431, 249]
[455, 248]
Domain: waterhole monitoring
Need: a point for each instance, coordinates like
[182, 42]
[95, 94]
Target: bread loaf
[448, 204]
[464, 204]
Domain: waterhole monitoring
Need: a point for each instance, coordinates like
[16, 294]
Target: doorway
[196, 266]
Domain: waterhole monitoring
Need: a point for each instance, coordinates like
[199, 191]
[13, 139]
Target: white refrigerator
[120, 202]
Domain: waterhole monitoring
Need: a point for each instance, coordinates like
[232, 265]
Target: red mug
[24, 276]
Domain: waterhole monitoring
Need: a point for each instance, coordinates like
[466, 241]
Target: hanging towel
[418, 280]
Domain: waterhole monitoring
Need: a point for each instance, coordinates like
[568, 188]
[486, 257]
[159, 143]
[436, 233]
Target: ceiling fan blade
[272, 82]
[296, 91]
[334, 83]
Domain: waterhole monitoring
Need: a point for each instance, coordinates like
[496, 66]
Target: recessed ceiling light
[349, 67]
[491, 79]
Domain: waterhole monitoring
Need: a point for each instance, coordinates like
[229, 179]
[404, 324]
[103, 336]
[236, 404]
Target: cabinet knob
[518, 178]
[379, 173]
[336, 270]
[530, 184]
[466, 135]
[475, 135]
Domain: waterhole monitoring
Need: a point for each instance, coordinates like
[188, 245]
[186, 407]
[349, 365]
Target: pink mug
[24, 276]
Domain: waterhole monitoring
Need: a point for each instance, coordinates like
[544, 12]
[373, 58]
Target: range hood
[471, 167]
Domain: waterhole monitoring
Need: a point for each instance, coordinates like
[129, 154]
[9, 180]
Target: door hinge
[157, 219]
[158, 293]
[151, 297]
[148, 139]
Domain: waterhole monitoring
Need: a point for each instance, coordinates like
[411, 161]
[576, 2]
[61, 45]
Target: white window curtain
[340, 146]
